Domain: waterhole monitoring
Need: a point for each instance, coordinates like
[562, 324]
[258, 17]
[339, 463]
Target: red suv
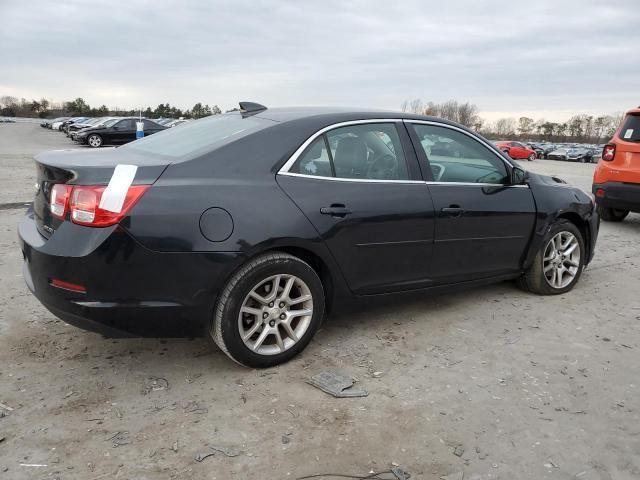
[517, 150]
[616, 181]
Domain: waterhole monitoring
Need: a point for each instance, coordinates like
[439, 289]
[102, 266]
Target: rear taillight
[60, 194]
[94, 207]
[608, 152]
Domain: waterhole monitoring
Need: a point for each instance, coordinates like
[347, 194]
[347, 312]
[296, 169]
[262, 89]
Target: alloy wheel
[275, 314]
[94, 141]
[561, 259]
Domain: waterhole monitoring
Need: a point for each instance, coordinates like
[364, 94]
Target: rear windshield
[197, 137]
[631, 129]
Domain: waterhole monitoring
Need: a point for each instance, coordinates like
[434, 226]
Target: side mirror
[116, 127]
[518, 176]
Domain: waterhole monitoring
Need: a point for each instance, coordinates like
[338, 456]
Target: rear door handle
[453, 210]
[336, 210]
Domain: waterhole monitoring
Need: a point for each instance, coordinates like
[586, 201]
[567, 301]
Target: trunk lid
[83, 167]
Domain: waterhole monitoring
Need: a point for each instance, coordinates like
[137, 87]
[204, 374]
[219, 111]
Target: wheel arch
[316, 262]
[583, 226]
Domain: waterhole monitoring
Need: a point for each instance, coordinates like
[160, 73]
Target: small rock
[285, 439]
[174, 447]
[459, 451]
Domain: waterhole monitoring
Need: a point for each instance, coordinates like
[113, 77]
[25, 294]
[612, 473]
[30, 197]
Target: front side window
[369, 151]
[456, 157]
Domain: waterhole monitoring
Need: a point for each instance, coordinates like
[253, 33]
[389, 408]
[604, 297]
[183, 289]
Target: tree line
[579, 128]
[43, 108]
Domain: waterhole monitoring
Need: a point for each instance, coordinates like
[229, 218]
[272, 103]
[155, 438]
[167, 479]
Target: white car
[56, 125]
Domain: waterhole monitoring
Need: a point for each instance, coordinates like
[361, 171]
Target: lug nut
[265, 315]
[282, 316]
[272, 323]
[281, 304]
[271, 304]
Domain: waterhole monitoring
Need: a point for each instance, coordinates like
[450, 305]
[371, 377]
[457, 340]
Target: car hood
[546, 179]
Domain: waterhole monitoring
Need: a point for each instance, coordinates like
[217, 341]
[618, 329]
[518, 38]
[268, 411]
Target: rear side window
[366, 152]
[631, 129]
[199, 136]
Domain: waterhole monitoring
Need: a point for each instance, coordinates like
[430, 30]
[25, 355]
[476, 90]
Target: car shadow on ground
[67, 344]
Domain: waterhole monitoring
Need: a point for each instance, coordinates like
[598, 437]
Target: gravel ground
[490, 383]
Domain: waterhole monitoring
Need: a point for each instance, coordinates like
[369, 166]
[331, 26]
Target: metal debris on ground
[336, 384]
[453, 476]
[195, 407]
[6, 407]
[155, 384]
[174, 447]
[118, 439]
[201, 456]
[228, 451]
[396, 473]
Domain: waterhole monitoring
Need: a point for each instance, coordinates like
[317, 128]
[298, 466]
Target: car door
[124, 131]
[483, 222]
[517, 150]
[359, 185]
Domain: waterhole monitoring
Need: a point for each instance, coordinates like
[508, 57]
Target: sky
[542, 58]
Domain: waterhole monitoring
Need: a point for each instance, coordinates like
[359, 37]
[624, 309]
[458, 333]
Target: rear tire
[256, 319]
[553, 271]
[612, 214]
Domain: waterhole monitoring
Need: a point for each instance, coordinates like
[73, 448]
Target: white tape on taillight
[114, 195]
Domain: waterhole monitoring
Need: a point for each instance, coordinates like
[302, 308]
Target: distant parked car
[98, 122]
[65, 125]
[56, 124]
[517, 150]
[536, 148]
[120, 132]
[89, 122]
[175, 123]
[56, 121]
[582, 155]
[616, 181]
[559, 154]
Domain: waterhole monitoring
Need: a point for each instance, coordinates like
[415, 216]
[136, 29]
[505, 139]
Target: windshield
[108, 123]
[199, 136]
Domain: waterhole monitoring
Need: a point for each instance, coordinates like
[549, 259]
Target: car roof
[339, 114]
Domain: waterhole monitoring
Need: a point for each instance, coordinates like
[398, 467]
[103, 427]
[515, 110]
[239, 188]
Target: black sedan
[252, 225]
[122, 131]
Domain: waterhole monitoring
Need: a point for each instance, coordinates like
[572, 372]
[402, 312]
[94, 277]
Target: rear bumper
[130, 290]
[618, 195]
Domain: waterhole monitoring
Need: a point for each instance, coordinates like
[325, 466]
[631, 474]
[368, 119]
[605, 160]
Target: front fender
[561, 201]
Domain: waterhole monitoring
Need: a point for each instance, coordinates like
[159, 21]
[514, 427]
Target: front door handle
[453, 210]
[336, 210]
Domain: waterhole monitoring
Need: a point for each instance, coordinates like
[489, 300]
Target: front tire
[558, 264]
[532, 157]
[269, 310]
[94, 140]
[612, 214]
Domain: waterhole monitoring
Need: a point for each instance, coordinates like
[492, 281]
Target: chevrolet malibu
[252, 225]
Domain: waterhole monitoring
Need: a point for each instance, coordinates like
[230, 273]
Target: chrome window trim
[357, 180]
[292, 159]
[409, 182]
[492, 148]
[284, 170]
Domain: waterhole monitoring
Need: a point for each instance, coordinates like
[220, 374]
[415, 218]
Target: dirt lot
[494, 382]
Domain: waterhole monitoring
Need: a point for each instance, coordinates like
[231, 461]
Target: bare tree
[505, 127]
[415, 106]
